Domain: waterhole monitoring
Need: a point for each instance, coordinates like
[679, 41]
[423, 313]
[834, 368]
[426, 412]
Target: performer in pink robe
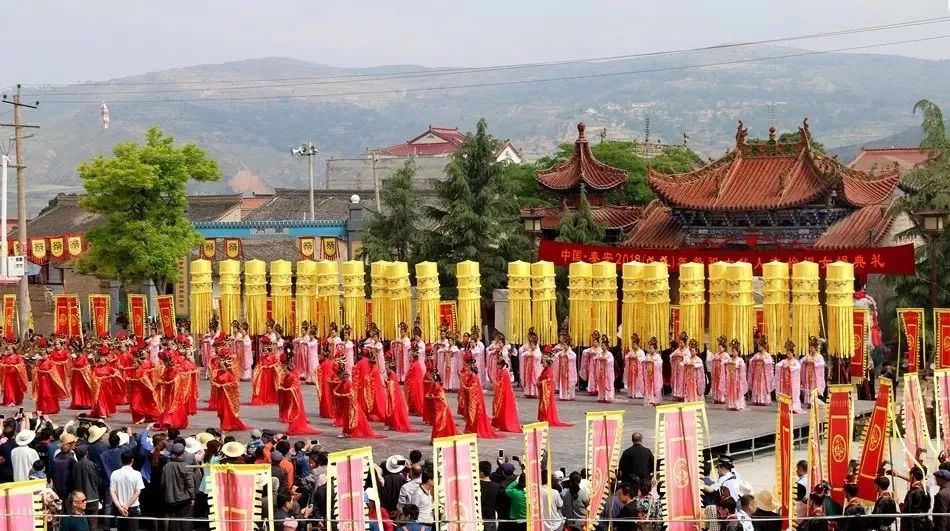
[154, 345]
[247, 353]
[301, 362]
[602, 372]
[346, 344]
[399, 350]
[586, 355]
[716, 371]
[207, 348]
[452, 363]
[652, 371]
[632, 362]
[736, 383]
[694, 381]
[813, 371]
[375, 347]
[529, 356]
[676, 367]
[478, 350]
[761, 374]
[498, 349]
[313, 355]
[788, 377]
[565, 363]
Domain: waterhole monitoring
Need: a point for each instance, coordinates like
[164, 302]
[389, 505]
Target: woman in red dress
[290, 402]
[266, 376]
[14, 377]
[443, 423]
[225, 386]
[326, 382]
[504, 405]
[125, 363]
[547, 401]
[415, 394]
[353, 420]
[47, 385]
[142, 395]
[427, 382]
[175, 390]
[470, 386]
[81, 382]
[103, 389]
[397, 411]
[63, 362]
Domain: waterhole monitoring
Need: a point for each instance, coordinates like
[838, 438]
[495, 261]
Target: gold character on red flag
[329, 247]
[232, 248]
[38, 249]
[208, 250]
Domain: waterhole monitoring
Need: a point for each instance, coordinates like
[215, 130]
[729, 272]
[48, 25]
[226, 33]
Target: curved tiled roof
[582, 167]
[656, 230]
[608, 216]
[865, 227]
[861, 192]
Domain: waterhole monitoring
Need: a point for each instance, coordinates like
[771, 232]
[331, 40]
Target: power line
[515, 82]
[352, 78]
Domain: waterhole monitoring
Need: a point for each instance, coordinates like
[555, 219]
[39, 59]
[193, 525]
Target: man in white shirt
[422, 498]
[125, 487]
[23, 456]
[551, 506]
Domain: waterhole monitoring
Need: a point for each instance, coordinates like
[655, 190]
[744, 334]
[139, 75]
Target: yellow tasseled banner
[201, 297]
[399, 296]
[427, 290]
[656, 292]
[328, 295]
[693, 299]
[354, 297]
[519, 301]
[740, 306]
[229, 282]
[470, 295]
[775, 304]
[718, 313]
[604, 299]
[255, 296]
[632, 320]
[379, 285]
[544, 302]
[580, 289]
[306, 293]
[281, 294]
[805, 305]
[839, 297]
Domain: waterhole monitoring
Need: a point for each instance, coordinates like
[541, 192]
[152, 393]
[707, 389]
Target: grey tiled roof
[357, 174]
[294, 204]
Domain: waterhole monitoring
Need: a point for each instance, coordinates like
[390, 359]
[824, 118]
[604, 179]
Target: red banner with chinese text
[457, 489]
[942, 337]
[67, 321]
[209, 249]
[166, 314]
[10, 316]
[535, 446]
[307, 247]
[604, 431]
[875, 435]
[57, 247]
[783, 461]
[815, 469]
[138, 313]
[675, 320]
[75, 245]
[838, 440]
[892, 260]
[21, 505]
[235, 496]
[347, 472]
[99, 311]
[912, 325]
[760, 320]
[859, 360]
[448, 314]
[679, 429]
[942, 404]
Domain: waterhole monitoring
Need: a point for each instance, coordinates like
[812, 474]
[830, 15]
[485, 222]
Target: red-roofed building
[440, 142]
[874, 160]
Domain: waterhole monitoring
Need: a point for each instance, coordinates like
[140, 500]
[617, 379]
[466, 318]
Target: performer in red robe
[504, 405]
[397, 411]
[415, 394]
[81, 383]
[142, 394]
[290, 402]
[547, 401]
[226, 386]
[427, 382]
[103, 389]
[443, 424]
[326, 382]
[175, 390]
[470, 387]
[266, 376]
[14, 377]
[354, 422]
[63, 362]
[125, 364]
[47, 385]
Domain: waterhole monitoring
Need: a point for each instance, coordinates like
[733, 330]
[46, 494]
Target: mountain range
[850, 99]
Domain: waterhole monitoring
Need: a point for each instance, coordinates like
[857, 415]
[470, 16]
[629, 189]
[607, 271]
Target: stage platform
[744, 434]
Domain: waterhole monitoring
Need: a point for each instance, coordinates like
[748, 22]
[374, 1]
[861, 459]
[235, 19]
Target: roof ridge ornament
[805, 134]
[741, 133]
[580, 131]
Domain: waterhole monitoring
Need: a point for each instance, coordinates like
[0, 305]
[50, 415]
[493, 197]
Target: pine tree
[392, 232]
[578, 226]
[476, 217]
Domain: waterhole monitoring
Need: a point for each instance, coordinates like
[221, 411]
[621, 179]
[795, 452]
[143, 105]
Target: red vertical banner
[457, 489]
[138, 312]
[269, 309]
[448, 313]
[783, 461]
[604, 431]
[347, 472]
[760, 320]
[21, 505]
[942, 337]
[838, 440]
[675, 320]
[912, 328]
[99, 312]
[10, 318]
[67, 321]
[942, 404]
[815, 470]
[859, 359]
[166, 314]
[875, 439]
[235, 496]
[535, 446]
[680, 429]
[915, 425]
[232, 248]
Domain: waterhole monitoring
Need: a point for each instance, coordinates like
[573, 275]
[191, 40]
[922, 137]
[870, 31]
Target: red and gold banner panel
[942, 337]
[347, 472]
[859, 359]
[232, 248]
[675, 319]
[783, 461]
[915, 425]
[448, 314]
[893, 260]
[21, 506]
[838, 441]
[10, 316]
[604, 432]
[942, 401]
[535, 447]
[209, 249]
[138, 315]
[268, 308]
[57, 247]
[166, 314]
[457, 488]
[67, 321]
[760, 320]
[912, 327]
[99, 312]
[307, 247]
[37, 248]
[236, 496]
[875, 442]
[679, 446]
[329, 247]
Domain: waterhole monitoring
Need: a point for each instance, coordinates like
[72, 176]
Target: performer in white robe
[529, 360]
[652, 371]
[788, 377]
[813, 371]
[632, 364]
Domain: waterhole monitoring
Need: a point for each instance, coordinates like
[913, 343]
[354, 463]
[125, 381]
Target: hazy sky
[72, 40]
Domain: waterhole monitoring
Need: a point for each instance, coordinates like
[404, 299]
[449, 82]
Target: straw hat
[765, 501]
[25, 437]
[192, 446]
[204, 438]
[96, 433]
[233, 449]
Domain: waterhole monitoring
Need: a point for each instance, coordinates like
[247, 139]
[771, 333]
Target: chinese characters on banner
[448, 313]
[457, 489]
[58, 248]
[859, 360]
[236, 496]
[307, 247]
[99, 312]
[875, 442]
[942, 337]
[912, 327]
[675, 319]
[209, 249]
[10, 318]
[138, 312]
[232, 248]
[166, 314]
[894, 260]
[604, 432]
[679, 446]
[67, 321]
[838, 440]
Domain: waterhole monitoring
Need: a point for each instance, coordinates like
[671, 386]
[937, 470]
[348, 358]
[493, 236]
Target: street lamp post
[310, 151]
[931, 224]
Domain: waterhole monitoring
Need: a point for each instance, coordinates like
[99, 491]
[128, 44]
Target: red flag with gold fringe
[67, 321]
[912, 326]
[680, 429]
[838, 440]
[942, 404]
[99, 312]
[760, 320]
[457, 489]
[859, 358]
[236, 496]
[785, 485]
[536, 438]
[942, 337]
[57, 247]
[166, 314]
[875, 435]
[307, 246]
[604, 431]
[10, 318]
[232, 248]
[138, 312]
[209, 249]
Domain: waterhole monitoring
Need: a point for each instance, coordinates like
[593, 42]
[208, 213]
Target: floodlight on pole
[310, 151]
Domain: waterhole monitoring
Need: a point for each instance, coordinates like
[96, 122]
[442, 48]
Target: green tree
[797, 137]
[140, 194]
[578, 226]
[392, 233]
[523, 180]
[476, 217]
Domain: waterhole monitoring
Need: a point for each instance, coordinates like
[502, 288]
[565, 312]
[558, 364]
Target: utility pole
[310, 151]
[376, 184]
[24, 295]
